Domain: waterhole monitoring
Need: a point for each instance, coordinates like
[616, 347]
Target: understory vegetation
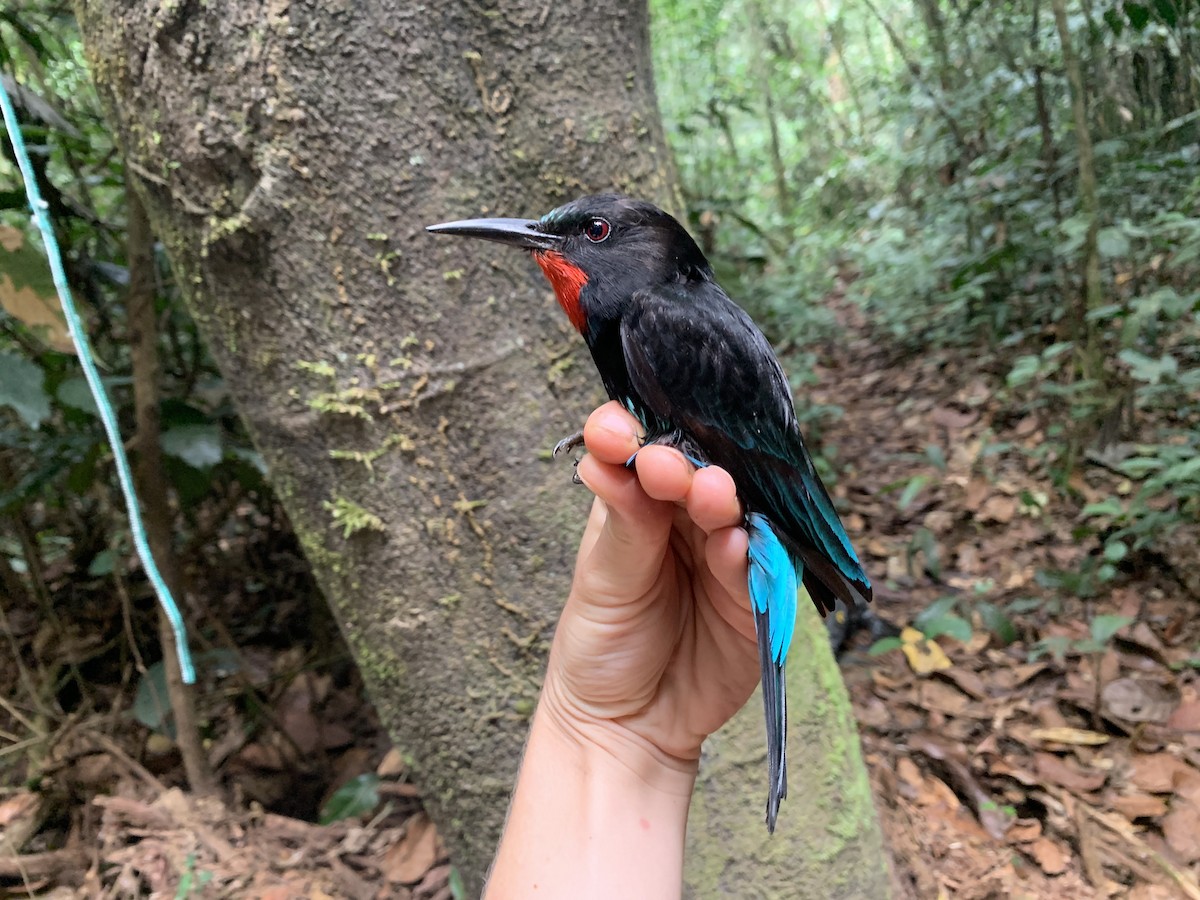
[1018, 181]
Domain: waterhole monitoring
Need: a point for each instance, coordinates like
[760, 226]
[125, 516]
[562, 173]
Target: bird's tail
[774, 579]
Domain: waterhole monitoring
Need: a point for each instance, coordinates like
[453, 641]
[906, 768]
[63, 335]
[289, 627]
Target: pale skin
[654, 651]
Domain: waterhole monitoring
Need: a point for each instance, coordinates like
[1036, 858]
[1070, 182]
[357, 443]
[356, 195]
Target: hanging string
[84, 351]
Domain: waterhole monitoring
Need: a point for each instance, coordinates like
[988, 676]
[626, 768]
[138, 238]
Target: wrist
[598, 812]
[608, 743]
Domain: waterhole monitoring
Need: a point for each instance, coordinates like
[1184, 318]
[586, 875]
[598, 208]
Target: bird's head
[597, 251]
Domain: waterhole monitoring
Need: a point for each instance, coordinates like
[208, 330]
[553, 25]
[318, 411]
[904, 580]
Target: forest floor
[1012, 759]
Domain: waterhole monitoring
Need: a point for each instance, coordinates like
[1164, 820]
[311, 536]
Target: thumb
[622, 551]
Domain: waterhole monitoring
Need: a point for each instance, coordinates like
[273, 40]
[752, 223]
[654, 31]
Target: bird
[675, 350]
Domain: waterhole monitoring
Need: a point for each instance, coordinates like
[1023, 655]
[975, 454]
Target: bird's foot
[567, 444]
[676, 441]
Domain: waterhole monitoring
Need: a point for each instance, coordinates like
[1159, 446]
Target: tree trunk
[405, 390]
[1089, 204]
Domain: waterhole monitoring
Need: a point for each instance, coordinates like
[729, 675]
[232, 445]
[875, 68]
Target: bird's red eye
[597, 230]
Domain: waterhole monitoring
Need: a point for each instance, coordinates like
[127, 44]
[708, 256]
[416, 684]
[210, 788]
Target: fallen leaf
[997, 508]
[1050, 856]
[1139, 700]
[1139, 806]
[908, 772]
[392, 765]
[1066, 773]
[923, 655]
[942, 697]
[1157, 772]
[1023, 831]
[1181, 828]
[18, 807]
[413, 855]
[1186, 716]
[949, 417]
[1062, 735]
[966, 681]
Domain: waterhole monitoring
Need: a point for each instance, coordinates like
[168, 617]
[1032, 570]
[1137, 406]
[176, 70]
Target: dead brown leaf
[413, 855]
[392, 765]
[1023, 831]
[1139, 700]
[1139, 806]
[1157, 772]
[942, 697]
[1181, 828]
[1050, 855]
[1067, 774]
[949, 417]
[1186, 716]
[997, 508]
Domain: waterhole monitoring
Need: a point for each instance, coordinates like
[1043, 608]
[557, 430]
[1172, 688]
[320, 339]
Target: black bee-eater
[690, 364]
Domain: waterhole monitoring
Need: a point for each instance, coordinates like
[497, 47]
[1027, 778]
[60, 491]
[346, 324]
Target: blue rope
[107, 416]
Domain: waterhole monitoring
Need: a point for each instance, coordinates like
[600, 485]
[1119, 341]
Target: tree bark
[405, 390]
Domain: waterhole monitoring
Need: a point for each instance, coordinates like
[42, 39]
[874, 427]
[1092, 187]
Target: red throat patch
[567, 281]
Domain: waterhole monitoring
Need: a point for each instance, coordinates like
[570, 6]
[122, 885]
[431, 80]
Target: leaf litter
[1055, 752]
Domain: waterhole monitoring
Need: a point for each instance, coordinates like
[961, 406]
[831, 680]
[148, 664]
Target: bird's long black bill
[525, 233]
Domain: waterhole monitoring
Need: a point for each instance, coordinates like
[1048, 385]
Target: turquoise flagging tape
[107, 415]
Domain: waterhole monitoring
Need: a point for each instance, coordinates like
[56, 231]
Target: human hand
[656, 643]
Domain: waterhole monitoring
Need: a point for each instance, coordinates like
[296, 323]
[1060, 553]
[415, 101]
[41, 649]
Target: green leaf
[1188, 470]
[934, 610]
[885, 645]
[955, 626]
[75, 393]
[1110, 507]
[1146, 368]
[1115, 551]
[1112, 242]
[151, 705]
[102, 563]
[22, 387]
[994, 620]
[458, 890]
[1138, 15]
[935, 455]
[197, 445]
[1024, 370]
[911, 490]
[357, 796]
[1104, 627]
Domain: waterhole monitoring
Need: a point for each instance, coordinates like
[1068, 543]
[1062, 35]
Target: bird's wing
[699, 363]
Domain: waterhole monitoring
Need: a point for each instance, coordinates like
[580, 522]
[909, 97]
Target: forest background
[972, 228]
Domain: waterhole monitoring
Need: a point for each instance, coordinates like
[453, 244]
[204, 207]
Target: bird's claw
[575, 479]
[567, 444]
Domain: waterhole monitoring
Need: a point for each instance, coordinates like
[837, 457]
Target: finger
[725, 552]
[664, 473]
[627, 555]
[712, 500]
[612, 434]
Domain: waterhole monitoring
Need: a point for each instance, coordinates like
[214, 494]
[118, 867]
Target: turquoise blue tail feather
[774, 582]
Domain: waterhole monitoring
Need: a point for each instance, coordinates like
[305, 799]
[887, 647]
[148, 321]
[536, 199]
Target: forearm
[597, 813]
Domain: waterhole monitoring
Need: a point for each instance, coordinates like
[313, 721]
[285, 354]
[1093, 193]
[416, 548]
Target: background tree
[403, 391]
